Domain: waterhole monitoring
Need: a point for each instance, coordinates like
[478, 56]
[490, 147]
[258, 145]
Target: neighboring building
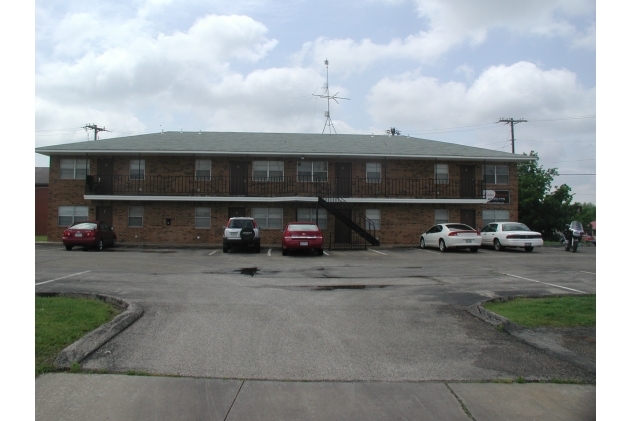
[179, 187]
[41, 200]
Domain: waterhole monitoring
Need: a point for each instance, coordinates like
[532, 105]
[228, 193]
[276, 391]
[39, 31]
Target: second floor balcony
[114, 185]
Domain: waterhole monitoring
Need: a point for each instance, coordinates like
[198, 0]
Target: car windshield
[84, 226]
[515, 227]
[459, 227]
[240, 223]
[302, 227]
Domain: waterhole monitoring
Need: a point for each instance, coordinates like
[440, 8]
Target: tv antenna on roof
[334, 97]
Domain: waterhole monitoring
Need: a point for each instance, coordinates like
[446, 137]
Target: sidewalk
[87, 397]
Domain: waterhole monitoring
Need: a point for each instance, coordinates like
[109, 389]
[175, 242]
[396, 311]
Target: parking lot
[390, 314]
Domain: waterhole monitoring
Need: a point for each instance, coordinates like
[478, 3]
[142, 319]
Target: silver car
[500, 235]
[451, 236]
[242, 232]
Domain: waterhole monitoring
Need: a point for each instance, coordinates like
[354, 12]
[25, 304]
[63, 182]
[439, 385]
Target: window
[267, 170]
[68, 215]
[313, 171]
[309, 215]
[137, 169]
[375, 216]
[373, 172]
[202, 217]
[135, 216]
[202, 169]
[441, 173]
[441, 216]
[496, 174]
[495, 215]
[74, 168]
[268, 218]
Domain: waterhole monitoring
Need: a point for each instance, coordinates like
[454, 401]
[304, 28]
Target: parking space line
[378, 252]
[325, 253]
[545, 283]
[591, 273]
[63, 277]
[269, 252]
[210, 254]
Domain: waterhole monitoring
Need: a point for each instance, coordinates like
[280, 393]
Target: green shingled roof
[278, 144]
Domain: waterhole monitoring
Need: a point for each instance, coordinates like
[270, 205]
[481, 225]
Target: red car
[302, 236]
[87, 234]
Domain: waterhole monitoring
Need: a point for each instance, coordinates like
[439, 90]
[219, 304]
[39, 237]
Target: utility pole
[512, 131]
[329, 97]
[95, 128]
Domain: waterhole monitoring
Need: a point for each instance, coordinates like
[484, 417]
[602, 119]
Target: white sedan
[451, 236]
[510, 234]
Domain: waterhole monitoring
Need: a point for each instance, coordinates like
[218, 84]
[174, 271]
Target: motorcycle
[573, 234]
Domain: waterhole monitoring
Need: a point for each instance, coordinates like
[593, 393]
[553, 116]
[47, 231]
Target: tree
[540, 208]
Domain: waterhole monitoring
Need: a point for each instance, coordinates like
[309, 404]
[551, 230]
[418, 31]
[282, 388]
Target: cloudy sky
[445, 70]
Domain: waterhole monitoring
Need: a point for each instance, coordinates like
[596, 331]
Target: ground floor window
[202, 217]
[309, 215]
[135, 216]
[68, 215]
[268, 218]
[375, 216]
[441, 216]
[495, 215]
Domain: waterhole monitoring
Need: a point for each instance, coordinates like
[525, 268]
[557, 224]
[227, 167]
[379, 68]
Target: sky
[445, 70]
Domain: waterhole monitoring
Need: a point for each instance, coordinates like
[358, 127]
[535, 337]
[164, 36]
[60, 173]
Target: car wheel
[284, 252]
[114, 242]
[529, 248]
[225, 249]
[258, 249]
[422, 245]
[497, 245]
[99, 246]
[441, 245]
[320, 252]
[473, 249]
[68, 248]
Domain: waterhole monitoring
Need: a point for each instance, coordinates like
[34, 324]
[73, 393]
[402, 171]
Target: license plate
[234, 234]
[527, 244]
[304, 243]
[78, 234]
[468, 241]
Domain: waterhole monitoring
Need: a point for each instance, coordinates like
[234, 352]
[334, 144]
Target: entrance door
[104, 213]
[343, 186]
[105, 176]
[343, 231]
[467, 216]
[236, 212]
[467, 181]
[238, 178]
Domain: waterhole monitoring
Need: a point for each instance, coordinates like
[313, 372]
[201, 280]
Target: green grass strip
[60, 321]
[41, 238]
[569, 311]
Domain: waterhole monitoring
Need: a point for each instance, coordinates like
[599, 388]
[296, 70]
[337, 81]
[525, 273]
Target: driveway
[388, 314]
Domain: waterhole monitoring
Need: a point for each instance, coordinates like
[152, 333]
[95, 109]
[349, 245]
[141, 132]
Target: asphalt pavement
[90, 396]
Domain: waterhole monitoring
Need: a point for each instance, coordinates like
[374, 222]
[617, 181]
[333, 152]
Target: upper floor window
[441, 173]
[68, 215]
[496, 174]
[137, 169]
[373, 172]
[202, 169]
[267, 170]
[74, 168]
[313, 171]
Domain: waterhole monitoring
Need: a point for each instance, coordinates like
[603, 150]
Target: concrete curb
[92, 341]
[546, 343]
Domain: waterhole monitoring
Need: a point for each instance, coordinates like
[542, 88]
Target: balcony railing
[282, 186]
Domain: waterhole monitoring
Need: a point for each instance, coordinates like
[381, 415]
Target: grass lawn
[60, 321]
[41, 238]
[569, 311]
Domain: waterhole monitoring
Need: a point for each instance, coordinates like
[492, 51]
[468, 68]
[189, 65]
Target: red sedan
[302, 236]
[96, 234]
